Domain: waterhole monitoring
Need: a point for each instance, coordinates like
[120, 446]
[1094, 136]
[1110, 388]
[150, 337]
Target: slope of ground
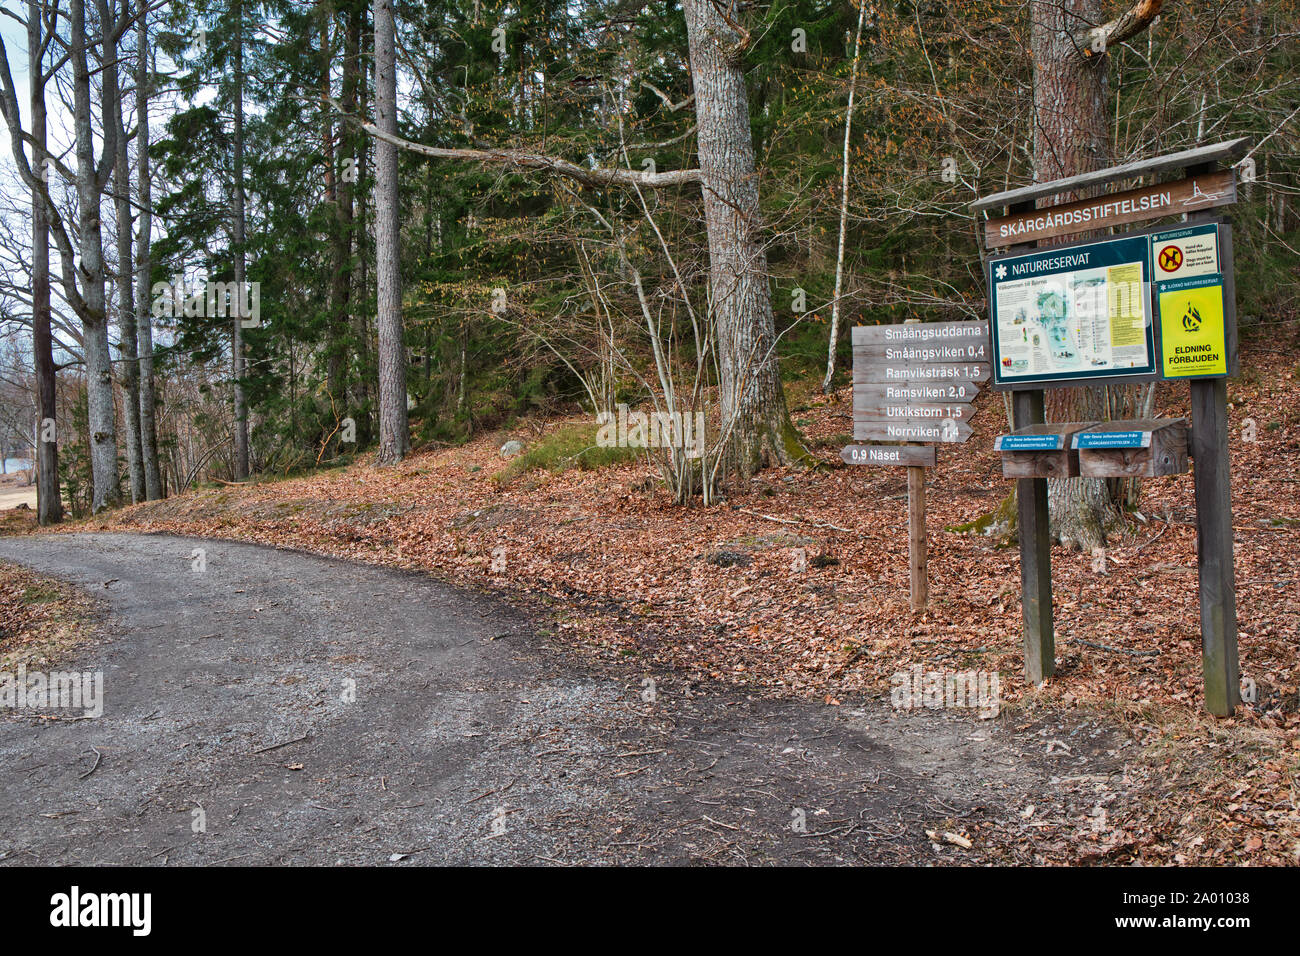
[809, 595]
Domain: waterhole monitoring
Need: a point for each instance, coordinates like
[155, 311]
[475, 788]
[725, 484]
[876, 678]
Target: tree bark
[237, 334]
[49, 503]
[106, 491]
[1072, 136]
[394, 438]
[752, 401]
[336, 333]
[144, 320]
[130, 375]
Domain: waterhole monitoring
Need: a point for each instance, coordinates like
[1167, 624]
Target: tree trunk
[341, 290]
[336, 333]
[844, 205]
[237, 335]
[130, 376]
[1072, 136]
[144, 319]
[49, 503]
[394, 440]
[361, 229]
[752, 401]
[106, 491]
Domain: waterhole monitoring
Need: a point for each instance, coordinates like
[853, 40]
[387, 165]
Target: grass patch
[40, 594]
[568, 447]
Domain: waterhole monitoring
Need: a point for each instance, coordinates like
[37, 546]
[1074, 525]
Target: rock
[512, 448]
[729, 559]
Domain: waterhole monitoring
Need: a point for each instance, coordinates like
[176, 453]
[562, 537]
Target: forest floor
[723, 595]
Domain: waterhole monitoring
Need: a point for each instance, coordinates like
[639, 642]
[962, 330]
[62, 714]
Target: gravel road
[281, 708]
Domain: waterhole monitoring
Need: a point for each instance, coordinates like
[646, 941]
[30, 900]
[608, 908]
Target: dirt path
[471, 738]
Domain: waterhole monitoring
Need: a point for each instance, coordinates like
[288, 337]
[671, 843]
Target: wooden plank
[921, 333]
[1134, 205]
[896, 393]
[1226, 152]
[877, 411]
[978, 350]
[916, 456]
[1035, 554]
[1057, 461]
[910, 429]
[895, 372]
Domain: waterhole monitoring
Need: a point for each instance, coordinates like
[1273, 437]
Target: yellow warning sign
[1192, 337]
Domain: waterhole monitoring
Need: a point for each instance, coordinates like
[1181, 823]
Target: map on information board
[1073, 312]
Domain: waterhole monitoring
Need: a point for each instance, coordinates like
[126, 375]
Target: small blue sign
[1112, 440]
[1029, 443]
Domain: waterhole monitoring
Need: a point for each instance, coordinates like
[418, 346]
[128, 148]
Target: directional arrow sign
[911, 429]
[895, 372]
[922, 456]
[902, 392]
[970, 351]
[876, 411]
[921, 333]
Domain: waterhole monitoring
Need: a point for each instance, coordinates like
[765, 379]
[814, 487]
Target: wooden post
[1211, 478]
[916, 553]
[917, 563]
[1035, 553]
[1214, 546]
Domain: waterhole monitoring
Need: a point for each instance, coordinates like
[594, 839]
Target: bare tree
[91, 180]
[844, 202]
[49, 503]
[144, 320]
[125, 280]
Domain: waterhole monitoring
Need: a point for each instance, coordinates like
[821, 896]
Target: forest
[259, 238]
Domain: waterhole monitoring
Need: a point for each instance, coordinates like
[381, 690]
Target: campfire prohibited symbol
[1192, 319]
[1171, 257]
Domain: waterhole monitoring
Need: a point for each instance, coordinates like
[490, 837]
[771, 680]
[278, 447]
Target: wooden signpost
[1072, 321]
[914, 383]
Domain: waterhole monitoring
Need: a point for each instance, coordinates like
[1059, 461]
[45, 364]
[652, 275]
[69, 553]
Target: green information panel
[1073, 313]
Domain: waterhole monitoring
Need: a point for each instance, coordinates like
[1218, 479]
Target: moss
[793, 445]
[1000, 523]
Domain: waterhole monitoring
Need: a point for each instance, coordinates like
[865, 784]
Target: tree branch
[1098, 40]
[525, 160]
